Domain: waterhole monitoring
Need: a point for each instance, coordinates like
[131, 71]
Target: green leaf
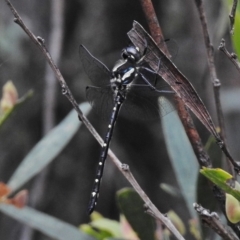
[173, 191]
[44, 223]
[86, 228]
[115, 239]
[131, 206]
[232, 208]
[222, 179]
[97, 233]
[111, 226]
[47, 149]
[177, 221]
[236, 35]
[182, 157]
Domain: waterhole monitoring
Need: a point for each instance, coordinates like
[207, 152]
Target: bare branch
[232, 16]
[154, 26]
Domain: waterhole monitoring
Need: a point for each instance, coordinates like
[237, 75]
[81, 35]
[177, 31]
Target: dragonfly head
[131, 53]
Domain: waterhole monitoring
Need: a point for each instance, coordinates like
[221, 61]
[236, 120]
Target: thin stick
[65, 90]
[154, 26]
[232, 16]
[215, 81]
[232, 56]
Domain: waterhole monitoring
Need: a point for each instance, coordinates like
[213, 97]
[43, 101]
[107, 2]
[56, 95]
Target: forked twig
[66, 91]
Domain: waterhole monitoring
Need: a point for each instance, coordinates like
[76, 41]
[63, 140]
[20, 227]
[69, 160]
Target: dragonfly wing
[101, 99]
[143, 103]
[98, 73]
[169, 72]
[155, 80]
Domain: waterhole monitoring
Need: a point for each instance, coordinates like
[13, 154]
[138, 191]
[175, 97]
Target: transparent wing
[98, 73]
[172, 47]
[101, 99]
[155, 81]
[142, 103]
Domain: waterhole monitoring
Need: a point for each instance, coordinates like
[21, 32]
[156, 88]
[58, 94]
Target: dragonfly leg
[153, 72]
[154, 88]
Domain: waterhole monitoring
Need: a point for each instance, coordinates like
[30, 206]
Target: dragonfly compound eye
[133, 53]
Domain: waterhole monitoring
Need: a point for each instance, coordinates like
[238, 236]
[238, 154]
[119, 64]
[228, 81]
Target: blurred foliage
[10, 101]
[222, 179]
[134, 224]
[226, 182]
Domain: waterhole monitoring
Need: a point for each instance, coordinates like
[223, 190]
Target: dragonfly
[132, 82]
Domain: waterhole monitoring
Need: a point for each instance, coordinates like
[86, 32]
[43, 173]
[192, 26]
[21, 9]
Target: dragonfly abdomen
[96, 186]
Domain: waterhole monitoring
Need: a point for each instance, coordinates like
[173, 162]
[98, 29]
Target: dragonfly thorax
[123, 73]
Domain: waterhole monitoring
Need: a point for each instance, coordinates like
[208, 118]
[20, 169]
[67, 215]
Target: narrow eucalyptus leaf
[47, 149]
[44, 223]
[182, 157]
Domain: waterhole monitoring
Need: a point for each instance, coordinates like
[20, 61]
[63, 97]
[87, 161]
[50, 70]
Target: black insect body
[125, 83]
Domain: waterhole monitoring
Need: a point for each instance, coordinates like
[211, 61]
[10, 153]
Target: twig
[212, 221]
[232, 16]
[215, 81]
[210, 52]
[65, 90]
[231, 56]
[155, 29]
